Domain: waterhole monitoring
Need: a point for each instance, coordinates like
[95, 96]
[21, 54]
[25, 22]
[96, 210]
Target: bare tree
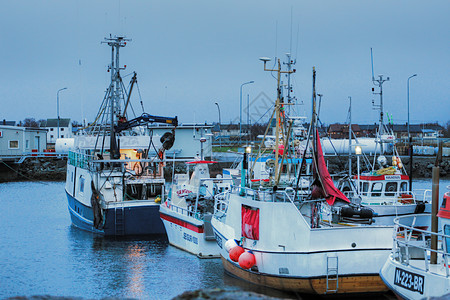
[30, 122]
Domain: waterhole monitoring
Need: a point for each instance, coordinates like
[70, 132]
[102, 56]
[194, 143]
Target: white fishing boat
[273, 235]
[415, 269]
[385, 188]
[386, 191]
[188, 210]
[115, 178]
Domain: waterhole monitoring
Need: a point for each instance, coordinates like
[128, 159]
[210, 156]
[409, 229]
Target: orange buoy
[235, 253]
[247, 260]
[230, 244]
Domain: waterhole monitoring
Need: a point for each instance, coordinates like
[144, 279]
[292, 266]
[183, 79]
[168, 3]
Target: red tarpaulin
[250, 222]
[327, 188]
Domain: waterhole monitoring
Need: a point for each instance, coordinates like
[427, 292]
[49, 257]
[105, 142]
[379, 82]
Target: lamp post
[57, 108]
[358, 152]
[409, 137]
[220, 132]
[240, 107]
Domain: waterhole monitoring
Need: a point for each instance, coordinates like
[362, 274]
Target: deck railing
[183, 211]
[283, 196]
[411, 242]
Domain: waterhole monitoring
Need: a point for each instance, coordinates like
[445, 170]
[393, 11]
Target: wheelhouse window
[81, 184]
[391, 188]
[13, 145]
[404, 186]
[364, 188]
[377, 187]
[447, 240]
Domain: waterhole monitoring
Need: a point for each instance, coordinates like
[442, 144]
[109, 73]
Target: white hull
[187, 232]
[289, 250]
[409, 271]
[412, 282]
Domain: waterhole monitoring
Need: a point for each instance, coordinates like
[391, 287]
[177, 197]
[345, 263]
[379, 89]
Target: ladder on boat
[332, 274]
[119, 220]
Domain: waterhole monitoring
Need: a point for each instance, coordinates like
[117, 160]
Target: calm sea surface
[42, 254]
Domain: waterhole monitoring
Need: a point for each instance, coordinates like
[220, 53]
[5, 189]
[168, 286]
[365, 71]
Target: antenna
[379, 82]
[371, 59]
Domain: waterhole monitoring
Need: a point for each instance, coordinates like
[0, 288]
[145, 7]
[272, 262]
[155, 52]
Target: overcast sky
[190, 54]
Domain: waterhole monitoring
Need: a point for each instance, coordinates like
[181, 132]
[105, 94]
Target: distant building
[15, 141]
[65, 129]
[340, 131]
[8, 123]
[187, 140]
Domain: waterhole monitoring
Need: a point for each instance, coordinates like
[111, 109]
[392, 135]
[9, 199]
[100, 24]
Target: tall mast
[279, 106]
[379, 82]
[115, 90]
[289, 64]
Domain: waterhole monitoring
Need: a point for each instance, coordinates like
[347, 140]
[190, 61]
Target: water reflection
[41, 253]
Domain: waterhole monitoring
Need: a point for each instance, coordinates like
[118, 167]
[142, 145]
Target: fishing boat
[188, 209]
[115, 174]
[273, 235]
[384, 187]
[418, 266]
[387, 192]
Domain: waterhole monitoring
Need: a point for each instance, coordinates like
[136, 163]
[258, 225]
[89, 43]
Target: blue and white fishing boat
[115, 179]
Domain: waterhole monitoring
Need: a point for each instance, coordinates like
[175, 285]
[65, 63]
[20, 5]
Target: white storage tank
[64, 145]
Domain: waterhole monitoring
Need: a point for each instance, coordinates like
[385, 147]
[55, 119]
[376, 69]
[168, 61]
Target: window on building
[62, 129]
[62, 136]
[51, 136]
[51, 129]
[27, 144]
[13, 145]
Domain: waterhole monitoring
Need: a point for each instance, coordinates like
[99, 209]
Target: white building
[15, 141]
[65, 129]
[188, 140]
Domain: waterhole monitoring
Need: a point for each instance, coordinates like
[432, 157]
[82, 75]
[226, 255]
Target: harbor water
[42, 254]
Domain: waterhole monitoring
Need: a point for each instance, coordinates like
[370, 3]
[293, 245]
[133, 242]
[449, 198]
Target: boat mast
[115, 90]
[379, 82]
[279, 109]
[350, 139]
[289, 86]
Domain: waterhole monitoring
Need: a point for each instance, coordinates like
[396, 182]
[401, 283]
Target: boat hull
[188, 233]
[347, 284]
[409, 282]
[137, 219]
[290, 255]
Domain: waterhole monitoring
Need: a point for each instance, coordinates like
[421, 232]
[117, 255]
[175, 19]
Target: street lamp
[220, 132]
[358, 152]
[409, 137]
[57, 108]
[240, 108]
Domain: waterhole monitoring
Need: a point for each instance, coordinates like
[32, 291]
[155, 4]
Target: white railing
[412, 242]
[222, 199]
[183, 211]
[402, 197]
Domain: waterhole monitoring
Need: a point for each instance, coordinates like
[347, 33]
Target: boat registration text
[411, 281]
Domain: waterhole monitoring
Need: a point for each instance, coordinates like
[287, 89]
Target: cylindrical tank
[64, 145]
[368, 146]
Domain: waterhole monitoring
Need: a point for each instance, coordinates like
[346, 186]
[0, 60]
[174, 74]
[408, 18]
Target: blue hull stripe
[137, 220]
